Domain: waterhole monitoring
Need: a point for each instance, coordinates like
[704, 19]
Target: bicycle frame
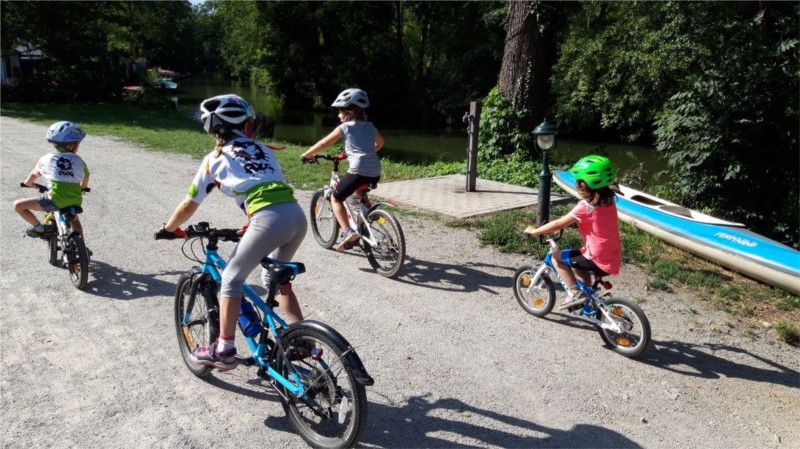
[593, 303]
[356, 217]
[212, 266]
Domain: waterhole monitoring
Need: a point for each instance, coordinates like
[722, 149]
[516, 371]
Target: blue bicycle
[316, 373]
[622, 324]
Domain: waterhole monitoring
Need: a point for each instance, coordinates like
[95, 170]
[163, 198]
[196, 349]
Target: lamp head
[545, 135]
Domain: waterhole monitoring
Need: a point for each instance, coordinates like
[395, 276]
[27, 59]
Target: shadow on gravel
[423, 422]
[466, 277]
[115, 283]
[712, 361]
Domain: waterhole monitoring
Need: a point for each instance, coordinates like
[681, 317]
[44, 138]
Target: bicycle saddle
[280, 270]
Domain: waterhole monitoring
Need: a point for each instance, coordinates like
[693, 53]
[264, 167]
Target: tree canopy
[712, 85]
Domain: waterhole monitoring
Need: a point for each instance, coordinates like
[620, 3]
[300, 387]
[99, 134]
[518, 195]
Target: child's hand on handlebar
[241, 232]
[163, 234]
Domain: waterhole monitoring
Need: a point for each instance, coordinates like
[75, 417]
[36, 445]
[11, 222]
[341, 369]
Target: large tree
[528, 58]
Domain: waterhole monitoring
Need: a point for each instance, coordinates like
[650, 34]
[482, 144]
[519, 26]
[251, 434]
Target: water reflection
[306, 127]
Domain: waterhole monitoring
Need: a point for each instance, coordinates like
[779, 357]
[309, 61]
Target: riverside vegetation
[748, 301]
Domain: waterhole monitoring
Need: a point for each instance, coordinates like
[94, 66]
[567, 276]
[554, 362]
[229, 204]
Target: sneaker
[35, 233]
[574, 298]
[347, 239]
[208, 356]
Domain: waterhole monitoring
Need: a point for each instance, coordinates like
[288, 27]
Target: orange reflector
[526, 281]
[381, 220]
[538, 302]
[622, 341]
[188, 337]
[316, 210]
[618, 311]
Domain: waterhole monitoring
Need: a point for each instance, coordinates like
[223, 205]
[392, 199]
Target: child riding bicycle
[247, 171]
[596, 215]
[66, 174]
[362, 141]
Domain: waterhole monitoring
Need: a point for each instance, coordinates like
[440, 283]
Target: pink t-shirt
[600, 230]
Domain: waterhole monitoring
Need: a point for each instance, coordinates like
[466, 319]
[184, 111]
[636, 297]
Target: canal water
[306, 127]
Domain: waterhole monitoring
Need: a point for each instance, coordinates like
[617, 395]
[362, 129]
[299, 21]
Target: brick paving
[447, 195]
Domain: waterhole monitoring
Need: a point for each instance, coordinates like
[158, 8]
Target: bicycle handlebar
[202, 229]
[43, 189]
[313, 159]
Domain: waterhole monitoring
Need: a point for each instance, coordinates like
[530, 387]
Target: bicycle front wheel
[52, 242]
[323, 222]
[389, 252]
[537, 299]
[77, 260]
[625, 329]
[332, 412]
[196, 320]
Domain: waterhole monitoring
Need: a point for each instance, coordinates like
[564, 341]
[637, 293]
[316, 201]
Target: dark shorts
[575, 259]
[351, 182]
[47, 204]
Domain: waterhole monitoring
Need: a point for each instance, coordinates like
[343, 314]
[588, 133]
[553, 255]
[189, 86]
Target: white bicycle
[382, 238]
[61, 238]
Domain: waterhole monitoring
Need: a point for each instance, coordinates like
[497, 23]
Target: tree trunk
[528, 58]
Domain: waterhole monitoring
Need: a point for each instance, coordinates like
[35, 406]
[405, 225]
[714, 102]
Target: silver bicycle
[382, 238]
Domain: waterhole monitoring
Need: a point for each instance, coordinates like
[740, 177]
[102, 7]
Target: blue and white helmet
[351, 96]
[64, 132]
[225, 110]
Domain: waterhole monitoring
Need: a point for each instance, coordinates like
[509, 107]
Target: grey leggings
[276, 231]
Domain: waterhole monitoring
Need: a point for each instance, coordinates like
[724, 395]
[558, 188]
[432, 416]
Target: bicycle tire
[537, 300]
[77, 260]
[202, 328]
[627, 343]
[52, 242]
[331, 388]
[323, 222]
[388, 257]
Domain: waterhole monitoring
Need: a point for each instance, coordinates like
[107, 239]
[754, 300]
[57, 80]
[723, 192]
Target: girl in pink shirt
[596, 216]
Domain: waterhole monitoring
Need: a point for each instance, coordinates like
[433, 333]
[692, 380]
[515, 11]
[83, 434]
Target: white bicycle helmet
[351, 96]
[64, 132]
[223, 110]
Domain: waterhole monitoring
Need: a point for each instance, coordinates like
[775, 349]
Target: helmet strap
[249, 130]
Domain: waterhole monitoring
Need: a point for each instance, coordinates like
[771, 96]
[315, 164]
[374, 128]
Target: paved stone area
[447, 195]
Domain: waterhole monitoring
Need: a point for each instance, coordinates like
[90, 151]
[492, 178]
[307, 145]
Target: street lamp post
[545, 135]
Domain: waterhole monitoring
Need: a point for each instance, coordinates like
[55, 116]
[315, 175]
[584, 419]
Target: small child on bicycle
[66, 175]
[362, 141]
[596, 215]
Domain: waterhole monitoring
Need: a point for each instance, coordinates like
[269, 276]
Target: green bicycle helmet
[595, 171]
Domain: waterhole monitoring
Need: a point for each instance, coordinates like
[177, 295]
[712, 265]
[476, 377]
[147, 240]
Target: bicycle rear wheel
[77, 260]
[387, 256]
[196, 320]
[333, 411]
[631, 333]
[323, 223]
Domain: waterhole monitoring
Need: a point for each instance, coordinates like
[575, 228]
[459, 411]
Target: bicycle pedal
[246, 361]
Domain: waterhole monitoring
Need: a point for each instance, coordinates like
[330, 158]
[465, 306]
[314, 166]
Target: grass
[171, 131]
[667, 267]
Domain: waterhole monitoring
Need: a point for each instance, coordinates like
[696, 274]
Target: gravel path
[457, 362]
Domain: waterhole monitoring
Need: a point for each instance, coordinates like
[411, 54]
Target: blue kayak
[726, 243]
